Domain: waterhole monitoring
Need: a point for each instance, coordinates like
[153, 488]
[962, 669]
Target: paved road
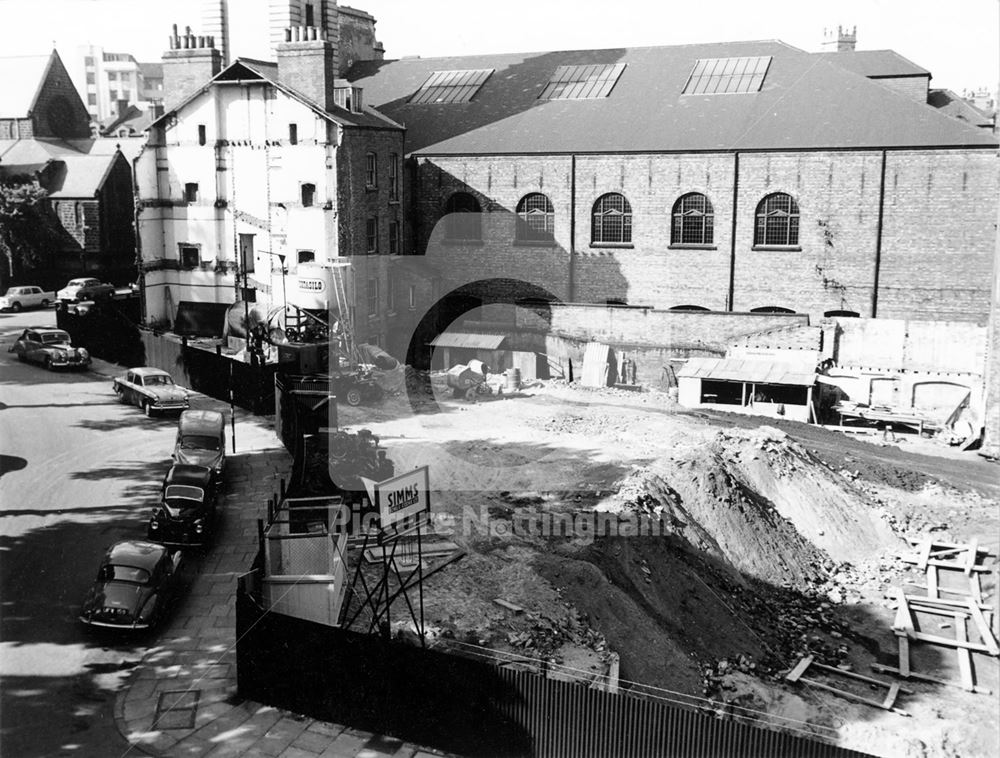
[78, 471]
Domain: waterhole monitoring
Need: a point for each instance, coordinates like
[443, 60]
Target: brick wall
[187, 70]
[936, 251]
[913, 87]
[16, 128]
[357, 38]
[58, 110]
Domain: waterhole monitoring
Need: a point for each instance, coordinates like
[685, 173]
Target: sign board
[404, 497]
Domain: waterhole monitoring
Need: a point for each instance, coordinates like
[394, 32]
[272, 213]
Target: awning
[469, 340]
[749, 371]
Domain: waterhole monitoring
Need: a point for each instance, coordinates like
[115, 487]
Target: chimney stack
[307, 63]
[840, 40]
[188, 65]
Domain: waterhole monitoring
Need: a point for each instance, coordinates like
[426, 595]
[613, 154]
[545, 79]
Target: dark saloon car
[136, 584]
[186, 514]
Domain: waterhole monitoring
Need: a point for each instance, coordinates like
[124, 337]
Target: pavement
[181, 699]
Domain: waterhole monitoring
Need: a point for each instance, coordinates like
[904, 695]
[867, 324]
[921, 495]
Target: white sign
[403, 496]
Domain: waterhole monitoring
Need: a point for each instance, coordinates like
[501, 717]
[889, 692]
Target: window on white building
[190, 255]
[191, 192]
[308, 195]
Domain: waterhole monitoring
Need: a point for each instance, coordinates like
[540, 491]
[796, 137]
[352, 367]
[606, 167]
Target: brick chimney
[840, 40]
[188, 65]
[308, 64]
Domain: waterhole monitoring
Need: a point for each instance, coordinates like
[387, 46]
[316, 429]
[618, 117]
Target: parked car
[151, 389]
[201, 440]
[356, 388]
[85, 288]
[50, 348]
[18, 298]
[186, 513]
[136, 584]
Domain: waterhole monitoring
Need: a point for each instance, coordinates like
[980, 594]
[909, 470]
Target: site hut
[765, 388]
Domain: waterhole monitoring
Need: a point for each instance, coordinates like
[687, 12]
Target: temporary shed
[765, 387]
[462, 347]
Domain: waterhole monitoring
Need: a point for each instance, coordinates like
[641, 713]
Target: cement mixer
[258, 316]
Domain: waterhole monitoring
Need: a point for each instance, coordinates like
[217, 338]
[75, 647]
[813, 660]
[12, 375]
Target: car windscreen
[185, 492]
[54, 337]
[199, 442]
[157, 380]
[132, 574]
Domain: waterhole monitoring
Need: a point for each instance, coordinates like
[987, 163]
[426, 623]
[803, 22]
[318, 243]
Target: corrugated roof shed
[805, 102]
[468, 340]
[746, 370]
[21, 77]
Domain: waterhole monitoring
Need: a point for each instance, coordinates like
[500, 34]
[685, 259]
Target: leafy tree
[28, 228]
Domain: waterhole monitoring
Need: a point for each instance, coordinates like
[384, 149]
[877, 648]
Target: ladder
[344, 328]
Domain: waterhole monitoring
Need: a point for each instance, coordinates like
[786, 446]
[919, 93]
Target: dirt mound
[760, 501]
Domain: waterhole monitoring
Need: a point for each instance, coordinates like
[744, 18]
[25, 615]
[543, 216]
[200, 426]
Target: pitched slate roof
[22, 77]
[247, 68]
[805, 103]
[79, 176]
[875, 64]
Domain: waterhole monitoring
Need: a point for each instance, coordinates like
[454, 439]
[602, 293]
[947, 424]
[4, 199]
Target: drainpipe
[732, 241]
[571, 288]
[878, 237]
[140, 270]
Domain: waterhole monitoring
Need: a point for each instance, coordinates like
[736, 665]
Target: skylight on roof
[451, 86]
[582, 82]
[727, 76]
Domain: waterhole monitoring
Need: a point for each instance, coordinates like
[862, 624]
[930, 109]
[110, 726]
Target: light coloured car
[152, 389]
[85, 288]
[48, 347]
[28, 296]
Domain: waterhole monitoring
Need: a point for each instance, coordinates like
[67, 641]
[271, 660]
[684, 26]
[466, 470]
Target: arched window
[841, 314]
[689, 308]
[777, 221]
[535, 218]
[462, 217]
[771, 309]
[611, 220]
[694, 220]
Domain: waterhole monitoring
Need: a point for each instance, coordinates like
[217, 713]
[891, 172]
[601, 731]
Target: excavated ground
[771, 543]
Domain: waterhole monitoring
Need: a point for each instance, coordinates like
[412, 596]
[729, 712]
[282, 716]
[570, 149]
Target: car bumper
[137, 626]
[71, 363]
[176, 537]
[170, 405]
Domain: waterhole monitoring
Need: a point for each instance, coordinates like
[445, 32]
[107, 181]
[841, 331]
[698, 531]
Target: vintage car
[50, 348]
[151, 389]
[18, 298]
[201, 440]
[85, 288]
[136, 584]
[185, 516]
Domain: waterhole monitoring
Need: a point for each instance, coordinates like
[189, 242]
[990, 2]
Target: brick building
[740, 176]
[45, 139]
[261, 177]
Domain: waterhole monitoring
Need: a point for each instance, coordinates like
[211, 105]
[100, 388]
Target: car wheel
[120, 393]
[16, 307]
[48, 363]
[147, 408]
[45, 303]
[353, 396]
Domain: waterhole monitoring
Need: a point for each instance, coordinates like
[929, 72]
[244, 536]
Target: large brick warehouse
[739, 176]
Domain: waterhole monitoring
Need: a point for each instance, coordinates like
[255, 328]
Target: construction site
[765, 570]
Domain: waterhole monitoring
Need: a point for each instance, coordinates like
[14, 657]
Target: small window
[190, 256]
[841, 314]
[393, 177]
[535, 218]
[202, 134]
[727, 76]
[451, 86]
[411, 297]
[293, 134]
[582, 82]
[462, 217]
[688, 308]
[371, 235]
[694, 221]
[308, 195]
[393, 238]
[390, 293]
[191, 192]
[612, 220]
[90, 78]
[371, 170]
[372, 297]
[771, 309]
[306, 256]
[777, 221]
[310, 15]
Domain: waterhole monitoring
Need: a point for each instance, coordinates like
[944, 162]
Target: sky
[957, 41]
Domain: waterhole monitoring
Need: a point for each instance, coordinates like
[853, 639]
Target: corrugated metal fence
[473, 707]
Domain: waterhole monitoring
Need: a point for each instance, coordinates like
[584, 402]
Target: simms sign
[403, 497]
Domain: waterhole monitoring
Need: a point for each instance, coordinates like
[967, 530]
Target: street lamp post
[284, 298]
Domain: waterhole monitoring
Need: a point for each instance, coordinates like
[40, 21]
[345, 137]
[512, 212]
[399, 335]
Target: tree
[28, 229]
